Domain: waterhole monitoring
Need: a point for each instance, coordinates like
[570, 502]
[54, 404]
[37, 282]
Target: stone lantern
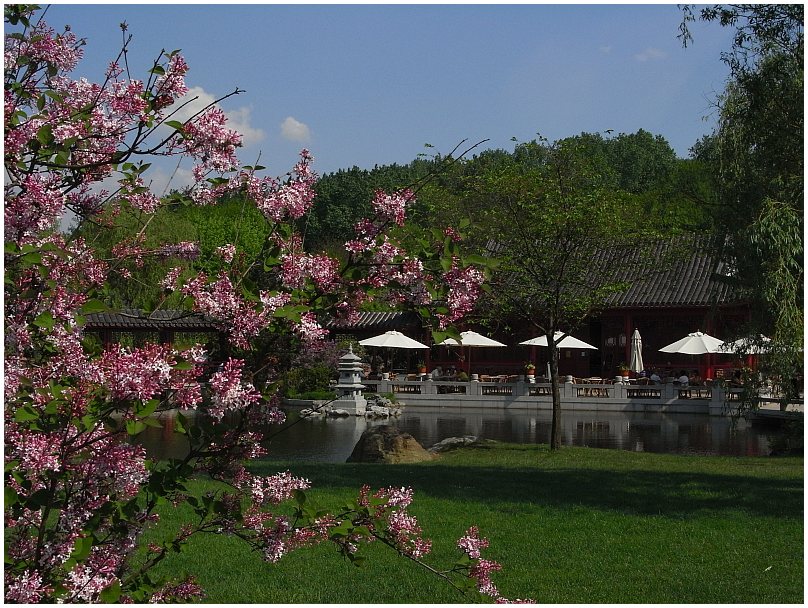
[349, 388]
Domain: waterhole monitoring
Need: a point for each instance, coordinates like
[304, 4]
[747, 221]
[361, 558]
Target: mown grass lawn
[580, 525]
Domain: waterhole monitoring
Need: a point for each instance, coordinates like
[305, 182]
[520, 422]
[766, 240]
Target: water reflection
[333, 439]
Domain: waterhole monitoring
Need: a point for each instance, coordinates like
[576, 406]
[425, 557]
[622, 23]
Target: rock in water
[385, 443]
[452, 443]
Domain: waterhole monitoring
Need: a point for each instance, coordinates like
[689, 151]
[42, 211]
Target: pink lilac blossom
[220, 301]
[392, 207]
[169, 282]
[172, 83]
[281, 201]
[185, 250]
[464, 289]
[137, 196]
[452, 234]
[273, 302]
[226, 252]
[37, 453]
[36, 208]
[206, 139]
[309, 328]
[43, 44]
[321, 269]
[471, 544]
[27, 588]
[274, 489]
[481, 572]
[185, 591]
[140, 373]
[229, 393]
[405, 533]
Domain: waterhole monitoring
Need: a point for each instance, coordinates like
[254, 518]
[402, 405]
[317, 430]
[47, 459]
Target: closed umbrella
[635, 362]
[471, 339]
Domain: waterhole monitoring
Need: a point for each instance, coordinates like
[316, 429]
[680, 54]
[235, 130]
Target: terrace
[576, 394]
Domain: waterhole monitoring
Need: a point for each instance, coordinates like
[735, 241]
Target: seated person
[436, 373]
[683, 378]
[695, 378]
[737, 378]
[655, 378]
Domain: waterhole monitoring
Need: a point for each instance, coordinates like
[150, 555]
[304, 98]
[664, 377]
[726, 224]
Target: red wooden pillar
[627, 330]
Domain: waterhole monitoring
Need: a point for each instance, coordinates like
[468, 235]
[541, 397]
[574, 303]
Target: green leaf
[111, 594]
[11, 497]
[45, 320]
[179, 424]
[93, 306]
[152, 422]
[174, 124]
[81, 548]
[299, 496]
[135, 427]
[147, 408]
[25, 413]
[45, 134]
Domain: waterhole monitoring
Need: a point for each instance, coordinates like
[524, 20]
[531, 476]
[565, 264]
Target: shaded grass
[576, 526]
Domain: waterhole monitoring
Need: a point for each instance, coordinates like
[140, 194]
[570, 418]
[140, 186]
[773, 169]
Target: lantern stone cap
[350, 356]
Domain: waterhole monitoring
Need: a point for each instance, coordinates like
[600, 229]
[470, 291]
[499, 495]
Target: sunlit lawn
[578, 526]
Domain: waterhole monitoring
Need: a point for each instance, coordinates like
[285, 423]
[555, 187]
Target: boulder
[339, 413]
[309, 413]
[385, 443]
[375, 411]
[452, 443]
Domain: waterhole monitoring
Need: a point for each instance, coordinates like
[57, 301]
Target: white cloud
[294, 130]
[650, 54]
[606, 48]
[198, 99]
[239, 120]
[161, 182]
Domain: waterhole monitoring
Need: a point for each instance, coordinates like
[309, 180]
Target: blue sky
[371, 84]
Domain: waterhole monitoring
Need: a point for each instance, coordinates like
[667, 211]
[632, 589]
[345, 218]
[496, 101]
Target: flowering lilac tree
[78, 494]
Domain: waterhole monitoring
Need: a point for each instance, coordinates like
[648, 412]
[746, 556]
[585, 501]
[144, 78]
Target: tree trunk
[555, 433]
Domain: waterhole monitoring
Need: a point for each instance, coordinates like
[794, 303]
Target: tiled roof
[690, 280]
[381, 321]
[129, 319]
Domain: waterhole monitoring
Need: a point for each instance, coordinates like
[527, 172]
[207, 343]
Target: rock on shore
[385, 443]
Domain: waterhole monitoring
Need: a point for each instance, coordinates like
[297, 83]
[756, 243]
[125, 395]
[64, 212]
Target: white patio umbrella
[566, 342]
[471, 339]
[696, 343]
[392, 339]
[635, 363]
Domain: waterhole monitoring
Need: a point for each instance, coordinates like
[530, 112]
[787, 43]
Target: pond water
[333, 439]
